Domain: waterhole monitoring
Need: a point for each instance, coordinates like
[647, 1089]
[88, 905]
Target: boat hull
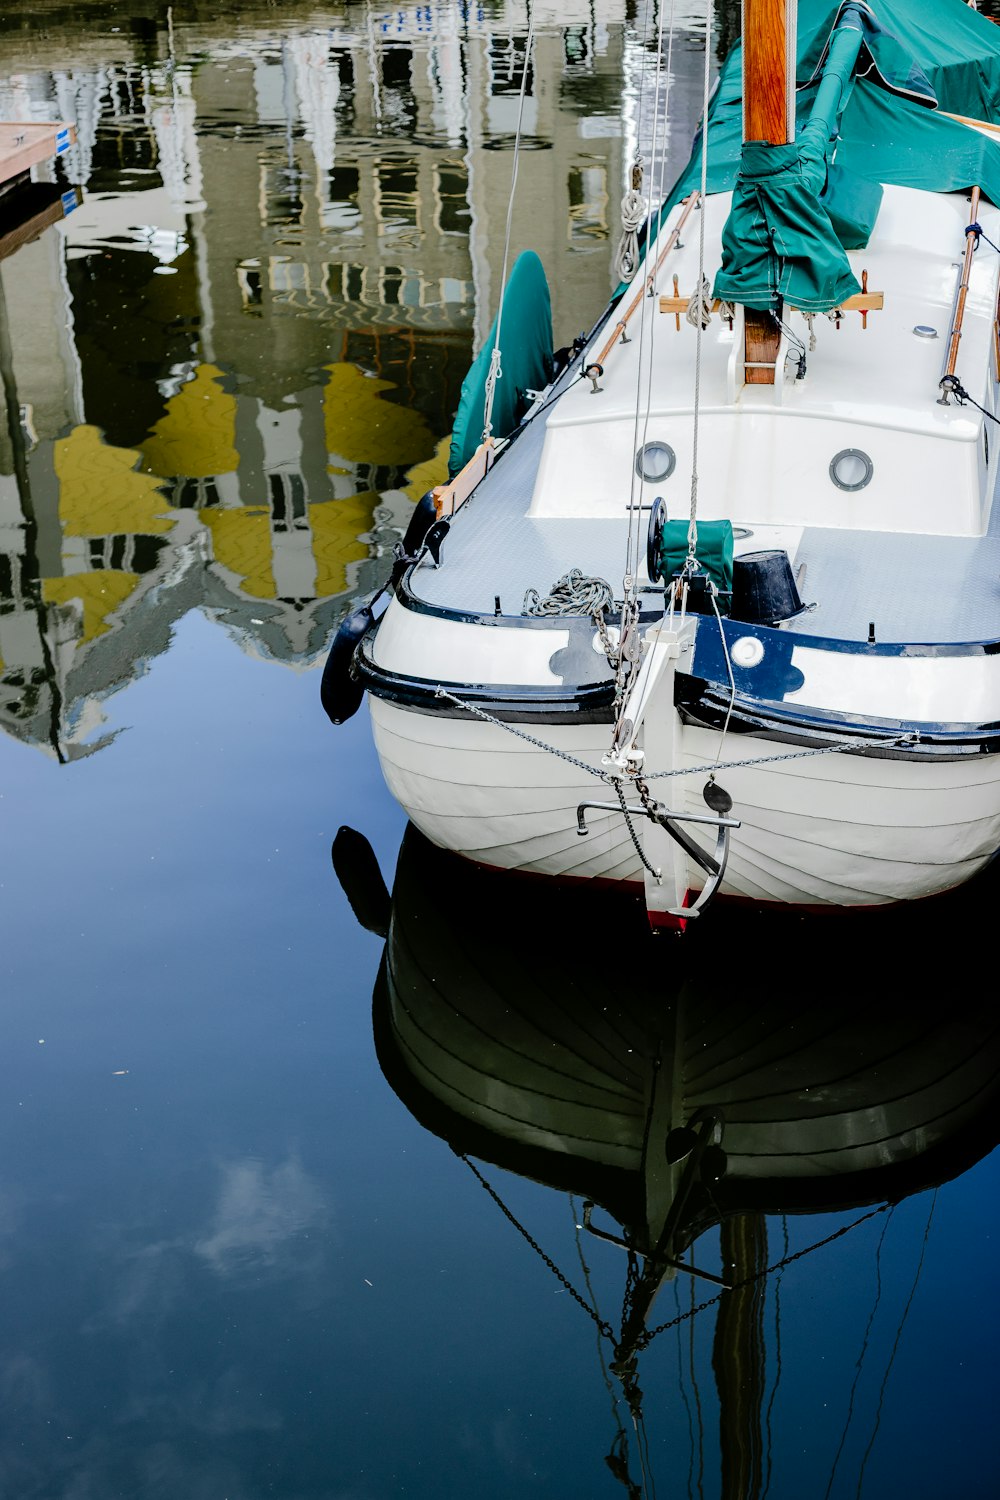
[815, 831]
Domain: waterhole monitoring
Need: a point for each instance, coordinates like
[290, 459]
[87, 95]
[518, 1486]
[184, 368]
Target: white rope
[693, 521]
[626, 261]
[493, 374]
[699, 309]
[732, 679]
[495, 371]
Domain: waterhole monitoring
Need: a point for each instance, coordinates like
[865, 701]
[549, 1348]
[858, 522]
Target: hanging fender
[340, 690]
[406, 552]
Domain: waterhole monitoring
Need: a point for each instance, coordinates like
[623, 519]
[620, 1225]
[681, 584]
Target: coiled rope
[574, 594]
[626, 261]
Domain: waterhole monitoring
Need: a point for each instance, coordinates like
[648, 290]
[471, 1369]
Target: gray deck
[915, 588]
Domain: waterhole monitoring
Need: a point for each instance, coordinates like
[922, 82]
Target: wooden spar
[968, 119]
[647, 287]
[765, 71]
[863, 302]
[768, 115]
[963, 292]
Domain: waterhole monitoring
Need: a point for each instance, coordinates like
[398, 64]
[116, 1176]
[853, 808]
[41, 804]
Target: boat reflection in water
[760, 1067]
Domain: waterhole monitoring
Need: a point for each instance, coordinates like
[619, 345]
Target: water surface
[243, 1246]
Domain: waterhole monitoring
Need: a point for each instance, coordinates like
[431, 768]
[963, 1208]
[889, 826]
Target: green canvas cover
[779, 241]
[956, 49]
[852, 204]
[713, 549]
[525, 362]
[884, 135]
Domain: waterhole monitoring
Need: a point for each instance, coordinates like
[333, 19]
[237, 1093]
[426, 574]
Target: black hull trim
[698, 704]
[592, 704]
[707, 706]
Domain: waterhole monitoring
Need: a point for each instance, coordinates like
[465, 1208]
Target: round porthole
[655, 461]
[850, 469]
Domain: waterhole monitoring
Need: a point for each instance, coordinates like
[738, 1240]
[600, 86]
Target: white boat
[713, 606]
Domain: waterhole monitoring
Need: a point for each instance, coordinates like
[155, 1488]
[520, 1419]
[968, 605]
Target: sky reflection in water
[241, 1255]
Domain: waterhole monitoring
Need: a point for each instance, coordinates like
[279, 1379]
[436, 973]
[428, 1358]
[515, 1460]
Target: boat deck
[904, 553]
[916, 588]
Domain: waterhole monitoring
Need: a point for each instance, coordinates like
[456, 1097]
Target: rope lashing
[699, 309]
[634, 206]
[977, 230]
[494, 374]
[951, 386]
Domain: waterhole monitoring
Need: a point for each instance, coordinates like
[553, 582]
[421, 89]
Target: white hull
[824, 831]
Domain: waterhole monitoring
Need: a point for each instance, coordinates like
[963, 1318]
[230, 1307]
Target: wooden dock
[24, 143]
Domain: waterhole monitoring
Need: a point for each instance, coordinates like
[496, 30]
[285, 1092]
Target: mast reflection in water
[717, 1126]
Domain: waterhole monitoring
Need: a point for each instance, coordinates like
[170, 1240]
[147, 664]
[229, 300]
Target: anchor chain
[647, 802]
[710, 768]
[645, 1339]
[602, 1326]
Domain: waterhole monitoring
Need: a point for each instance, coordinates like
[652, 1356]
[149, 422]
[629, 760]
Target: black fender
[340, 689]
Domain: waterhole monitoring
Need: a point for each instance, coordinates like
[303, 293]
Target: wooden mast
[768, 115]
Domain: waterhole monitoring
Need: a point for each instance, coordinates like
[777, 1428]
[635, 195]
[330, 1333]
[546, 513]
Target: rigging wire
[618, 1459]
[699, 330]
[866, 1336]
[495, 371]
[647, 309]
[895, 1347]
[777, 1364]
[697, 1395]
[682, 1387]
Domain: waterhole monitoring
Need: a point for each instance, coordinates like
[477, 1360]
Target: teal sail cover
[525, 362]
[919, 58]
[779, 240]
[714, 549]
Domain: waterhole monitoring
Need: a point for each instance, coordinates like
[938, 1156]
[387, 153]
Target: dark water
[243, 1249]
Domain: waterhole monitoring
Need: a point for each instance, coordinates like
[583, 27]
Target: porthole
[850, 469]
[655, 461]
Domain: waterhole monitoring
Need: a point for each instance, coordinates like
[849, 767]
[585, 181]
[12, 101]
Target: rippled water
[244, 1250]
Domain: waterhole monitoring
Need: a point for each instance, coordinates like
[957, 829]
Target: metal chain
[645, 1339]
[708, 769]
[769, 760]
[620, 791]
[603, 1327]
[609, 650]
[779, 1265]
[480, 713]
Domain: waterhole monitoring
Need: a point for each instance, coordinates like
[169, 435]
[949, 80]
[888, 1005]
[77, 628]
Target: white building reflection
[234, 364]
